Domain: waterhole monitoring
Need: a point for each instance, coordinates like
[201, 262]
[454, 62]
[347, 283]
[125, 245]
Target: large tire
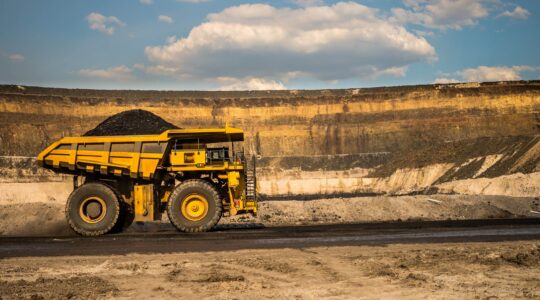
[92, 209]
[125, 219]
[187, 210]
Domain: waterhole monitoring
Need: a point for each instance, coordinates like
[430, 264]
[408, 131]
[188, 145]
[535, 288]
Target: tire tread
[82, 231]
[215, 197]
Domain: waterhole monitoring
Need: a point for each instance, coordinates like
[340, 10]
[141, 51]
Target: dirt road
[465, 270]
[253, 236]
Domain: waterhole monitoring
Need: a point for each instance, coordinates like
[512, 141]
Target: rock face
[391, 140]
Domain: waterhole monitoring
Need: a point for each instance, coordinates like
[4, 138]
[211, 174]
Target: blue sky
[296, 44]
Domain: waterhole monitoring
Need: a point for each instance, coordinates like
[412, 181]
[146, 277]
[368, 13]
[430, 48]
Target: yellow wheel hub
[194, 207]
[92, 210]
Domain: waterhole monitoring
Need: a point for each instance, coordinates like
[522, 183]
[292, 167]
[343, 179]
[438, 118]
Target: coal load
[131, 122]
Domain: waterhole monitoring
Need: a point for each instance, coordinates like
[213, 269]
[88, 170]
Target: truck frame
[121, 179]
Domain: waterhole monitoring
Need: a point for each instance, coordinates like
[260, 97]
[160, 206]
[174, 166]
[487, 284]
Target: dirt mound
[131, 122]
[440, 268]
[78, 287]
[530, 258]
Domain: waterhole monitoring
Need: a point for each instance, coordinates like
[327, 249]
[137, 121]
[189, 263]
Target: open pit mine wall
[393, 140]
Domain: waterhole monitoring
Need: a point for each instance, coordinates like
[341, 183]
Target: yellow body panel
[144, 202]
[224, 167]
[234, 179]
[97, 153]
[188, 157]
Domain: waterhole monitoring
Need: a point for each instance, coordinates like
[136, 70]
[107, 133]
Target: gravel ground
[508, 270]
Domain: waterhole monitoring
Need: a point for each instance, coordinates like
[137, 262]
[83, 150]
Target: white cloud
[146, 2]
[393, 71]
[165, 19]
[307, 3]
[345, 40]
[16, 57]
[501, 73]
[249, 84]
[120, 73]
[424, 33]
[442, 80]
[104, 24]
[518, 13]
[193, 1]
[171, 39]
[441, 14]
[157, 70]
[485, 73]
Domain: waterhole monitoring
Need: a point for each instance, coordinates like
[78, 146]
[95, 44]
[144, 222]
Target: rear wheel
[92, 209]
[194, 206]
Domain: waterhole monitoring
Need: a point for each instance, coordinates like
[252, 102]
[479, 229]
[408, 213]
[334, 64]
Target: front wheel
[194, 206]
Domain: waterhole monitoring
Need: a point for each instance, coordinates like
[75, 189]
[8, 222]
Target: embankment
[389, 140]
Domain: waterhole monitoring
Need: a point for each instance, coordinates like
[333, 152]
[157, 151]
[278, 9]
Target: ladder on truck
[251, 179]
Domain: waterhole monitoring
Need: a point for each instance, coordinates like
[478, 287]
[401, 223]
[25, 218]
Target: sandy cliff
[391, 140]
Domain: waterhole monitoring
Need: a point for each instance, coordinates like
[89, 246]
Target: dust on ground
[435, 271]
[42, 213]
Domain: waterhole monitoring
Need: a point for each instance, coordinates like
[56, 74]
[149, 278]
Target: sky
[253, 45]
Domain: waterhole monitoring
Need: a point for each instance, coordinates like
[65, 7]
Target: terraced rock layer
[393, 140]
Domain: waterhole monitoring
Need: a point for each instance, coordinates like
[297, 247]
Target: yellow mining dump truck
[121, 179]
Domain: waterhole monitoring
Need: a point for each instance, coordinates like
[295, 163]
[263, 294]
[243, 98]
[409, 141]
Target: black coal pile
[131, 122]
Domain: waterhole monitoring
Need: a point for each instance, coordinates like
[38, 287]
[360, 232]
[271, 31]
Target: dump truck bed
[137, 156]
